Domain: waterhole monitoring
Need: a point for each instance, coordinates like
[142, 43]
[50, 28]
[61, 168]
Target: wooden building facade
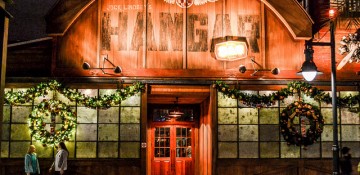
[169, 49]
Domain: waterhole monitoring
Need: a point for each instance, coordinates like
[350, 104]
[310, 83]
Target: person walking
[60, 164]
[345, 162]
[31, 162]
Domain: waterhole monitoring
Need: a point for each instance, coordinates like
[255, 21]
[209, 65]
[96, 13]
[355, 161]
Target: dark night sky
[28, 22]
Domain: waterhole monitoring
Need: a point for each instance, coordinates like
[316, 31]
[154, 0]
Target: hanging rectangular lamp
[175, 114]
[229, 48]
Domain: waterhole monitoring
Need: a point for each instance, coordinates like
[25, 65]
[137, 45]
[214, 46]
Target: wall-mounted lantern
[243, 69]
[229, 48]
[116, 69]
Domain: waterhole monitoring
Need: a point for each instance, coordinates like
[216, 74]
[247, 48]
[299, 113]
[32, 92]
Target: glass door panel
[172, 149]
[183, 142]
[162, 142]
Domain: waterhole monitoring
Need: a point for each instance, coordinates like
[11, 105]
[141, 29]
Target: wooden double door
[172, 149]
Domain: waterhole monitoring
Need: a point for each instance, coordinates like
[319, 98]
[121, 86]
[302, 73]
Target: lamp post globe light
[308, 68]
[309, 72]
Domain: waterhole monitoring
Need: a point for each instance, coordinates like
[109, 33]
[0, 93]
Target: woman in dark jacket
[345, 162]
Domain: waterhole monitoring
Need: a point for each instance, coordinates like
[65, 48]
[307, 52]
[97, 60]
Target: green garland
[307, 115]
[291, 89]
[37, 128]
[42, 89]
[52, 108]
[313, 115]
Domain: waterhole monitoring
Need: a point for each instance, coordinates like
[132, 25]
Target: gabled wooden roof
[290, 12]
[63, 14]
[293, 16]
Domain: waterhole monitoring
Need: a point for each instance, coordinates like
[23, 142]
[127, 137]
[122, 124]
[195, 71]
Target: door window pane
[183, 142]
[162, 142]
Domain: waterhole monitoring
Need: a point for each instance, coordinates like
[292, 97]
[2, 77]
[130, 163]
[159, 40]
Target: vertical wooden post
[145, 142]
[4, 26]
[214, 132]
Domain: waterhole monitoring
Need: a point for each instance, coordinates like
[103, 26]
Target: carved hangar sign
[127, 27]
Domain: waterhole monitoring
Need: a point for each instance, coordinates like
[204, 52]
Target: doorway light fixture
[188, 3]
[116, 69]
[176, 112]
[229, 48]
[308, 68]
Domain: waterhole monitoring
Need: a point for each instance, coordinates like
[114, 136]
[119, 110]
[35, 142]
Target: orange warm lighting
[230, 48]
[332, 13]
[175, 114]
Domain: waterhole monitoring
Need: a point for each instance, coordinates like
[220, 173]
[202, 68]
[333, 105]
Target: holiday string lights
[53, 108]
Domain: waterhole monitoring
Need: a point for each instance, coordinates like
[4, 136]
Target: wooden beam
[210, 74]
[4, 28]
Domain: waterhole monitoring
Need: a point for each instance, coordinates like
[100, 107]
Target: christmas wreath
[51, 108]
[310, 124]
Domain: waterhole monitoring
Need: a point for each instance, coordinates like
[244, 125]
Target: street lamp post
[335, 146]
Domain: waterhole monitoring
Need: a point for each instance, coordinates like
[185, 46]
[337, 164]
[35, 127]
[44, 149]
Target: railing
[347, 12]
[348, 8]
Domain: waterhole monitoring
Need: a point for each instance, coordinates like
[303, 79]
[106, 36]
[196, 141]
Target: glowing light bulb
[309, 76]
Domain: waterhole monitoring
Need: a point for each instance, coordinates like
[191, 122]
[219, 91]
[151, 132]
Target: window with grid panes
[251, 132]
[100, 133]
